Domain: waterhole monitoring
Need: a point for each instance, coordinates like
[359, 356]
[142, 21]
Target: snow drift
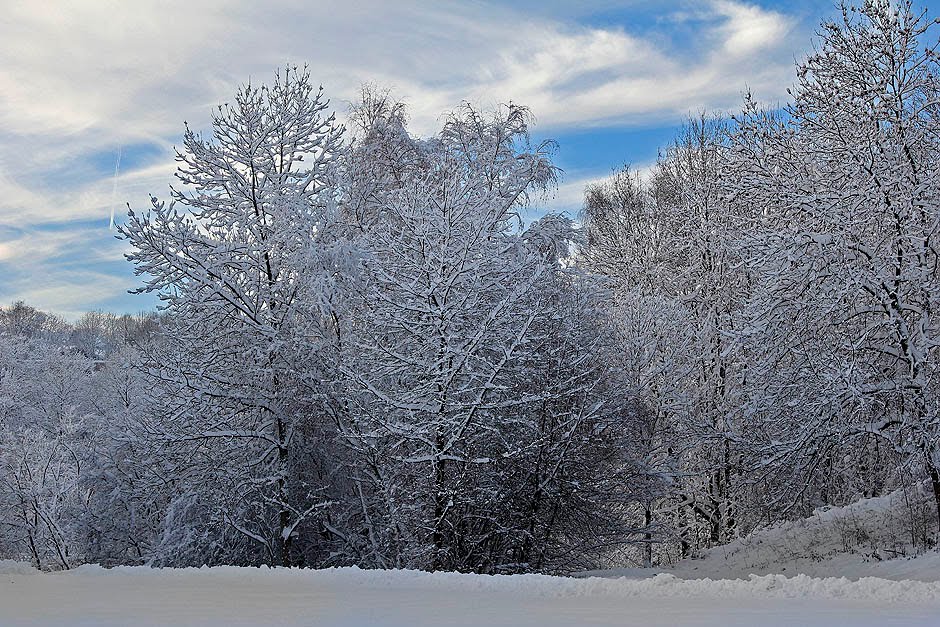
[869, 538]
[343, 597]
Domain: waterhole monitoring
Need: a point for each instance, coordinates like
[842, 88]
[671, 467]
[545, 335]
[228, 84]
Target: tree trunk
[728, 520]
[714, 513]
[284, 517]
[934, 473]
[440, 509]
[287, 537]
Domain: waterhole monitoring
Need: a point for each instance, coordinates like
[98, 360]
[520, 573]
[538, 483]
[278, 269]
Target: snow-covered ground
[830, 569]
[346, 597]
[869, 538]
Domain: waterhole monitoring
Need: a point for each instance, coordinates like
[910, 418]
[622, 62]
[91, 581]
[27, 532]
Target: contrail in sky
[117, 172]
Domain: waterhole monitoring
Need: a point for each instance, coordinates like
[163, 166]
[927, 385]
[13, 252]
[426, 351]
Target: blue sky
[85, 82]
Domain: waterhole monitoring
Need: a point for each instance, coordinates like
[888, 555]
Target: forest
[368, 353]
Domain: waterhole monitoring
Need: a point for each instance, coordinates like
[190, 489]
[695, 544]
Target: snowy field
[347, 597]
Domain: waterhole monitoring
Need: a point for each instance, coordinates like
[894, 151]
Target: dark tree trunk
[438, 540]
[934, 473]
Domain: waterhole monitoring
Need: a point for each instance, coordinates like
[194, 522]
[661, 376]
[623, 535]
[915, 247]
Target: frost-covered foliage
[234, 383]
[776, 280]
[479, 435]
[365, 357]
[61, 501]
[840, 207]
[666, 248]
[368, 356]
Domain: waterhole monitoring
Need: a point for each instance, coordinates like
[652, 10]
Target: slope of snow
[869, 538]
[352, 597]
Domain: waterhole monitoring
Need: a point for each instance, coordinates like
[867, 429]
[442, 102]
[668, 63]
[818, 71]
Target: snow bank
[828, 569]
[869, 538]
[661, 585]
[9, 567]
[91, 595]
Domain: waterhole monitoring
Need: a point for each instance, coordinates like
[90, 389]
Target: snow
[819, 571]
[869, 538]
[91, 595]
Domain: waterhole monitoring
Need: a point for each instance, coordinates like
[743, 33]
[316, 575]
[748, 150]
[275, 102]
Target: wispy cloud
[82, 79]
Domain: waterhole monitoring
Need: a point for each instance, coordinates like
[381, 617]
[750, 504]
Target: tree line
[365, 354]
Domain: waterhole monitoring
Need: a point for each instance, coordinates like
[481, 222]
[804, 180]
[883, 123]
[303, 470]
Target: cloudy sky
[94, 95]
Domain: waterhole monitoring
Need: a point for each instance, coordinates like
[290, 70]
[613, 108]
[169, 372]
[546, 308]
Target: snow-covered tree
[47, 436]
[666, 245]
[228, 257]
[442, 313]
[470, 359]
[843, 197]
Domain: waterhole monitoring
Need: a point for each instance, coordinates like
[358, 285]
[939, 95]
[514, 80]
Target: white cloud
[62, 270]
[102, 72]
[749, 28]
[569, 196]
[84, 78]
[68, 293]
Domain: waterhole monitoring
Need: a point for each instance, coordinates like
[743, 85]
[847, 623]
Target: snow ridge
[661, 585]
